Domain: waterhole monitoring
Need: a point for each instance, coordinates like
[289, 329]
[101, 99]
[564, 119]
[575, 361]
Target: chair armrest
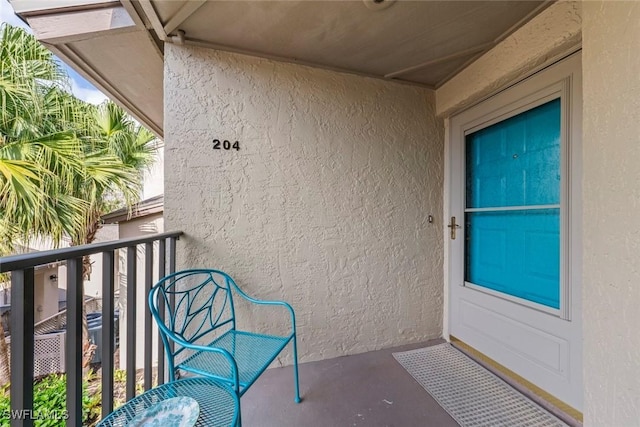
[222, 351]
[269, 302]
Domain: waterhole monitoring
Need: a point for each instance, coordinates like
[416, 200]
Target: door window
[512, 208]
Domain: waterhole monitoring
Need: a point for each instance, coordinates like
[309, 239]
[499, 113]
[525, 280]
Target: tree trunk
[93, 225]
[88, 349]
[5, 368]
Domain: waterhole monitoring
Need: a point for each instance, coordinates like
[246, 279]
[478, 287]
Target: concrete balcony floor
[369, 389]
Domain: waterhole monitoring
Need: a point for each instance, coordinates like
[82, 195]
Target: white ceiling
[117, 45]
[442, 36]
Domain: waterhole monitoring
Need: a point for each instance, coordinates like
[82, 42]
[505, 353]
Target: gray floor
[369, 389]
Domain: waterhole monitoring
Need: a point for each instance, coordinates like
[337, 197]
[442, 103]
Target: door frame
[565, 76]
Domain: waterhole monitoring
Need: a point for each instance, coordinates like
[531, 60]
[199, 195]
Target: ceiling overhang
[117, 45]
[417, 42]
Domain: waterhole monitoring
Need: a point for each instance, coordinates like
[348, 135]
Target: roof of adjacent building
[141, 209]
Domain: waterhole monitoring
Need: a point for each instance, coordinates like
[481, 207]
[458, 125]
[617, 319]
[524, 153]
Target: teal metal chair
[199, 332]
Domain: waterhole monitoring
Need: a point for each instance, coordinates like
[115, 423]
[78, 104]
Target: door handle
[452, 225]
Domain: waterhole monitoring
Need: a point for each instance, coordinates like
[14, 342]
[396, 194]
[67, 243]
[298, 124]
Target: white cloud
[90, 95]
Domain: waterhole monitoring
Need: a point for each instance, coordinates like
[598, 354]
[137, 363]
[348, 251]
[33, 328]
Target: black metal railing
[22, 269]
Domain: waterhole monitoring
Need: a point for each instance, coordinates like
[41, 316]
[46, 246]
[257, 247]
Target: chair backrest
[196, 303]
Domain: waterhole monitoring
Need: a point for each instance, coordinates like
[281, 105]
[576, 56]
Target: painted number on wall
[225, 145]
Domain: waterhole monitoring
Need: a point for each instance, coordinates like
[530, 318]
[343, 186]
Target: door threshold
[566, 413]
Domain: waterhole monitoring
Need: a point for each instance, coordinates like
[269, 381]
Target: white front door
[515, 258]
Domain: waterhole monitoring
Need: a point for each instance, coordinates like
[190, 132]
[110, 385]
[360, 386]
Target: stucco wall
[547, 36]
[611, 39]
[326, 203]
[45, 293]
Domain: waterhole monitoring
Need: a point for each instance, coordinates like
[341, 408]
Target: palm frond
[61, 159]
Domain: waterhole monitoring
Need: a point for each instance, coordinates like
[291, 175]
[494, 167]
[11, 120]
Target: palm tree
[116, 153]
[63, 162]
[32, 197]
[37, 162]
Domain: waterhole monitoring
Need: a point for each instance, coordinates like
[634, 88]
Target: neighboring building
[396, 162]
[92, 285]
[46, 292]
[47, 298]
[153, 179]
[146, 217]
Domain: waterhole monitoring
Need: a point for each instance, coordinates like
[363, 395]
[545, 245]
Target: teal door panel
[512, 215]
[516, 162]
[515, 252]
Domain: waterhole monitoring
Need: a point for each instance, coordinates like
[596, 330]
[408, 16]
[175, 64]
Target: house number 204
[226, 145]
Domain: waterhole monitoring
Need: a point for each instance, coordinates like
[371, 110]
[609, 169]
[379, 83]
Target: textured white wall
[611, 39]
[324, 206]
[548, 35]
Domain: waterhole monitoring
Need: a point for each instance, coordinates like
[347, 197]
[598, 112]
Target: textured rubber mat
[472, 395]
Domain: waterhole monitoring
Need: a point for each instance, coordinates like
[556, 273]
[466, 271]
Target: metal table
[218, 402]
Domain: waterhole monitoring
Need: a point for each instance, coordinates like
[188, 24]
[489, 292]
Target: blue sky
[79, 86]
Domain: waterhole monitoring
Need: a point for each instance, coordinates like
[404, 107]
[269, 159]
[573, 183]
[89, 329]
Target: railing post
[108, 331]
[172, 255]
[162, 254]
[132, 271]
[148, 331]
[22, 291]
[74, 350]
[172, 269]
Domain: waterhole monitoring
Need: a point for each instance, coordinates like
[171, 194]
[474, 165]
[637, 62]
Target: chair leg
[239, 423]
[295, 368]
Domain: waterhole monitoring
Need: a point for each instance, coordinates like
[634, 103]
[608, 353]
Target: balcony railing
[22, 269]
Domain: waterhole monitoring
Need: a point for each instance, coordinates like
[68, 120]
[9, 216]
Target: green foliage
[50, 397]
[120, 381]
[91, 405]
[120, 376]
